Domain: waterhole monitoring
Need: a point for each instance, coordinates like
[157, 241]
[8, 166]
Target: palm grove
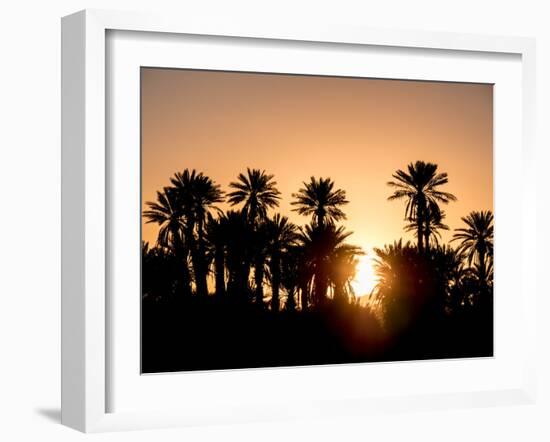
[258, 261]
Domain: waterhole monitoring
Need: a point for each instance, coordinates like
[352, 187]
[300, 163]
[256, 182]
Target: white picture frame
[86, 357]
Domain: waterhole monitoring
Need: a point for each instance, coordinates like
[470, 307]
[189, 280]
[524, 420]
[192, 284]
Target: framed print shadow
[251, 211]
[299, 219]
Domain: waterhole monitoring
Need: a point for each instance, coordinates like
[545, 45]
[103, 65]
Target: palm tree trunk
[427, 237]
[195, 258]
[200, 275]
[321, 287]
[242, 280]
[321, 218]
[275, 281]
[185, 283]
[482, 276]
[290, 301]
[181, 252]
[339, 292]
[420, 223]
[321, 282]
[303, 297]
[219, 270]
[232, 282]
[259, 279]
[237, 283]
[419, 235]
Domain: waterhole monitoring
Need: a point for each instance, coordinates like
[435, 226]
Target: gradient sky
[356, 131]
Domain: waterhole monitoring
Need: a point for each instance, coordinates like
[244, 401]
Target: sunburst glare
[365, 279]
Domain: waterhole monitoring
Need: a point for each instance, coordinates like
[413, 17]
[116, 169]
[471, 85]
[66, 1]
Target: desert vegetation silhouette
[246, 287]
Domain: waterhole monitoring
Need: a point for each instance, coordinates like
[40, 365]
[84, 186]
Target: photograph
[295, 220]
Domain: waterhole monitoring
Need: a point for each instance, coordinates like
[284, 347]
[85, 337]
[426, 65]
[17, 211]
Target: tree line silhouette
[247, 288]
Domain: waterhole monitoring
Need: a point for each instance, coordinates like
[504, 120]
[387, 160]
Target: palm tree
[319, 199]
[290, 271]
[445, 266]
[160, 273]
[420, 188]
[216, 237]
[322, 243]
[258, 191]
[281, 235]
[238, 249]
[297, 272]
[431, 228]
[165, 212]
[414, 285]
[392, 264]
[476, 242]
[343, 267]
[197, 194]
[259, 249]
[458, 282]
[305, 272]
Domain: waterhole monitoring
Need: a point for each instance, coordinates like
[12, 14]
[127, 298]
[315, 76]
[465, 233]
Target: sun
[365, 279]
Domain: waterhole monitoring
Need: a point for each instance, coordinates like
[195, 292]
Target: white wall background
[30, 216]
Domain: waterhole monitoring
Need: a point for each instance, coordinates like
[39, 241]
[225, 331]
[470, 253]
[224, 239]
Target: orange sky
[357, 131]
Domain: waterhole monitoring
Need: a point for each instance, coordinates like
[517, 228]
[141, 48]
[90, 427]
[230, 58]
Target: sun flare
[365, 279]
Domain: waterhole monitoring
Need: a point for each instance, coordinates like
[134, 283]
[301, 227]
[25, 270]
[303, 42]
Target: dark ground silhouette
[203, 334]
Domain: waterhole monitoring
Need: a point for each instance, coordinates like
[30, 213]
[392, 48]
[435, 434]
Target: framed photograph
[263, 222]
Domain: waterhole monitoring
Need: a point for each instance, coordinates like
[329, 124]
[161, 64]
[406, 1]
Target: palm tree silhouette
[282, 235]
[290, 271]
[238, 240]
[257, 190]
[259, 193]
[431, 228]
[305, 272]
[216, 234]
[343, 267]
[197, 194]
[166, 212]
[319, 199]
[476, 241]
[391, 263]
[259, 249]
[420, 188]
[322, 243]
[412, 284]
[160, 270]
